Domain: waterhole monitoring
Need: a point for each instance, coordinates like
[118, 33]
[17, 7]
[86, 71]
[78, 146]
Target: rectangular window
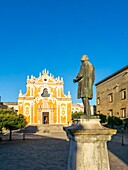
[110, 112]
[98, 100]
[123, 112]
[110, 97]
[123, 94]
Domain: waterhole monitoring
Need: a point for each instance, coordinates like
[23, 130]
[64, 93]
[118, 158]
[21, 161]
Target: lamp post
[122, 134]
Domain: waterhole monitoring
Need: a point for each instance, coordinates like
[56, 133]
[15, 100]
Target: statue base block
[88, 148]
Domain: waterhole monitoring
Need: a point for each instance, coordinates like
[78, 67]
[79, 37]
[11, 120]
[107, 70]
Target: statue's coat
[85, 79]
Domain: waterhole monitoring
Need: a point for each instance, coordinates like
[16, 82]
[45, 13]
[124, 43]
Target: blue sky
[54, 34]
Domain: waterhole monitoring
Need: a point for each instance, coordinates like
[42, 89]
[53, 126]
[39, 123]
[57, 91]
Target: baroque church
[45, 101]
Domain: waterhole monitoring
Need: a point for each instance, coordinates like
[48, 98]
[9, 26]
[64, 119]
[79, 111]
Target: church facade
[45, 101]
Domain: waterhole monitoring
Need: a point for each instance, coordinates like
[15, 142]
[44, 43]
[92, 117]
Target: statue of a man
[85, 79]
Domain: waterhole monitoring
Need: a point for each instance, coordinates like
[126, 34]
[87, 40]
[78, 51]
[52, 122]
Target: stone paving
[118, 153]
[50, 152]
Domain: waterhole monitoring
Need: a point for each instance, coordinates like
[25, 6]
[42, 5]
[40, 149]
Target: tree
[102, 118]
[1, 123]
[113, 120]
[11, 121]
[76, 115]
[1, 126]
[125, 121]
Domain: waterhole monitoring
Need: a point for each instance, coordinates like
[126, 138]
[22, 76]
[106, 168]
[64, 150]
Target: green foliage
[117, 121]
[102, 118]
[1, 122]
[14, 122]
[7, 111]
[125, 121]
[76, 115]
[10, 120]
[113, 120]
[110, 121]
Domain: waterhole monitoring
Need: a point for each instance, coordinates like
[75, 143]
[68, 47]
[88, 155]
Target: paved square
[50, 152]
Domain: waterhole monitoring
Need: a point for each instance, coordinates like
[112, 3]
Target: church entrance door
[45, 116]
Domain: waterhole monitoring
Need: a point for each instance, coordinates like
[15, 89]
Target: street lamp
[122, 134]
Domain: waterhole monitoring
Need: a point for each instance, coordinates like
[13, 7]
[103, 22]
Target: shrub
[102, 118]
[76, 115]
[125, 121]
[113, 120]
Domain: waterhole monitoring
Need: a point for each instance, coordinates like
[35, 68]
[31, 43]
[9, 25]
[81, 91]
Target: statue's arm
[79, 76]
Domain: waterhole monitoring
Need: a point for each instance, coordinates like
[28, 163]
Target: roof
[10, 103]
[77, 105]
[112, 75]
[2, 106]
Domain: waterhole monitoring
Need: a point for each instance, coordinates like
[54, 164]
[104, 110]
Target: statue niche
[45, 93]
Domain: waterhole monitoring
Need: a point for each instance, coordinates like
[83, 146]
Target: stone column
[88, 148]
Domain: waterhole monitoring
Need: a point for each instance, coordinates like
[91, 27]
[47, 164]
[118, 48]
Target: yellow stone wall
[45, 99]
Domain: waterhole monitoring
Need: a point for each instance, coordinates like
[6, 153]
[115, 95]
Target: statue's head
[84, 58]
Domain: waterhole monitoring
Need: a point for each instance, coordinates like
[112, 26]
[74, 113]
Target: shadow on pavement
[29, 129]
[115, 146]
[45, 152]
[35, 152]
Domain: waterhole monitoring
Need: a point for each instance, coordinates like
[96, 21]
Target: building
[112, 94]
[45, 101]
[11, 105]
[2, 106]
[93, 110]
[79, 107]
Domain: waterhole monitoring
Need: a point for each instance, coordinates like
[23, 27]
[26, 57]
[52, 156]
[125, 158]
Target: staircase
[45, 128]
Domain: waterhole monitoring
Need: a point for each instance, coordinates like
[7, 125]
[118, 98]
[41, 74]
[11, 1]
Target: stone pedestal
[88, 148]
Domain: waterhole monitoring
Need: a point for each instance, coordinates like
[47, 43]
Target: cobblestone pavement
[118, 153]
[50, 152]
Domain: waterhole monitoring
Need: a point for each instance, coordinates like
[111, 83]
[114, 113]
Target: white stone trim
[31, 105]
[61, 115]
[66, 102]
[27, 106]
[66, 113]
[57, 112]
[33, 110]
[20, 101]
[33, 90]
[56, 91]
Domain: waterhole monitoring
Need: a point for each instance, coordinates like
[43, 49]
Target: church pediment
[44, 78]
[45, 86]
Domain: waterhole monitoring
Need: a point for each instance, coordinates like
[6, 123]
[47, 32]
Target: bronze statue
[85, 79]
